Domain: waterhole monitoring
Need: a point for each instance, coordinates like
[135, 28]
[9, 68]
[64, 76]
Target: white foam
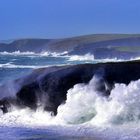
[115, 59]
[25, 117]
[90, 58]
[10, 65]
[116, 117]
[54, 54]
[33, 54]
[13, 66]
[121, 107]
[86, 57]
[17, 53]
[84, 105]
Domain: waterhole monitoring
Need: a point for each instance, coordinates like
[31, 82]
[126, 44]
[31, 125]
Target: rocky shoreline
[48, 87]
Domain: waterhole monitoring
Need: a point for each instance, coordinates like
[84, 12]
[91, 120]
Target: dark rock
[48, 86]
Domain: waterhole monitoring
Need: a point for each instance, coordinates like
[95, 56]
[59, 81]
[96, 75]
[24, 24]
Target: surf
[121, 107]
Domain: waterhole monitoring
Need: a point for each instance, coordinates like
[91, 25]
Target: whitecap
[116, 117]
[86, 57]
[10, 65]
[17, 53]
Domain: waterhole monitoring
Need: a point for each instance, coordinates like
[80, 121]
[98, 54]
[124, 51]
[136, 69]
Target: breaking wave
[87, 57]
[28, 53]
[17, 53]
[70, 58]
[85, 105]
[90, 58]
[85, 111]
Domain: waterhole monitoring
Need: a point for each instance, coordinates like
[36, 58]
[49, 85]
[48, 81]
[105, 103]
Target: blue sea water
[27, 125]
[13, 65]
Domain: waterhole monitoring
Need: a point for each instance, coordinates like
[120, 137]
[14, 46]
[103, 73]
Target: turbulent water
[84, 116]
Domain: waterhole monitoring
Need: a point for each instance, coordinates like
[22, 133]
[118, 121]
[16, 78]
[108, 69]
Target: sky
[66, 18]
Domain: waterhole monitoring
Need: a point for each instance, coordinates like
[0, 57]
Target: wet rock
[48, 87]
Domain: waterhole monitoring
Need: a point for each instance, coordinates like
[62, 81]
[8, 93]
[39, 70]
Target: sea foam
[84, 105]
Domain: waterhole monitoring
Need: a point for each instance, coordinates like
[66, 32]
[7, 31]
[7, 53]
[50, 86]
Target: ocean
[95, 118]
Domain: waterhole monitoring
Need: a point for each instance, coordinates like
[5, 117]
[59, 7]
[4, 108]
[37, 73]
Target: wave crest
[86, 57]
[86, 105]
[43, 53]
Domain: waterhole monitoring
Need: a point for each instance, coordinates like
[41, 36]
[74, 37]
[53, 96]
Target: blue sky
[64, 18]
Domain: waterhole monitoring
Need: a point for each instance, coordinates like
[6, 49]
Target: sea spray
[85, 104]
[9, 89]
[121, 107]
